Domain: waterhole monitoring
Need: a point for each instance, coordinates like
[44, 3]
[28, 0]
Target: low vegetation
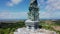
[9, 28]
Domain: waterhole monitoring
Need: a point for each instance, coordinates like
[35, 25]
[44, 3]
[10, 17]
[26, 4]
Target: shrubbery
[9, 28]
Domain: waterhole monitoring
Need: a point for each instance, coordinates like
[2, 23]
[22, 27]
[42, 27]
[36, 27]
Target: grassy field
[9, 28]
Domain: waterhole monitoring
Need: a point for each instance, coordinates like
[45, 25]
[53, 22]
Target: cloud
[53, 5]
[5, 14]
[16, 1]
[9, 4]
[24, 15]
[49, 15]
[50, 5]
[13, 2]
[45, 15]
[13, 15]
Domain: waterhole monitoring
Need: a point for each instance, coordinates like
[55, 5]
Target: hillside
[9, 28]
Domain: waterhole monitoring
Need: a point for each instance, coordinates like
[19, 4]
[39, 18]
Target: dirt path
[56, 28]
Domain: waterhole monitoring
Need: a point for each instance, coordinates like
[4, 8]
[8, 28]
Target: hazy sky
[17, 9]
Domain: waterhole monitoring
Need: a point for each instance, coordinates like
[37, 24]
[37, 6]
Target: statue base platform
[32, 24]
[32, 31]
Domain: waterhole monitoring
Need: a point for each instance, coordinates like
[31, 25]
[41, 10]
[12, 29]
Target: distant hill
[11, 20]
[16, 20]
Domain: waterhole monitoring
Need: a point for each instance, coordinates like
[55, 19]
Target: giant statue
[33, 15]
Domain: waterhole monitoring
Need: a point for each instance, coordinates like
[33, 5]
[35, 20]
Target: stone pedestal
[38, 31]
[31, 24]
[32, 28]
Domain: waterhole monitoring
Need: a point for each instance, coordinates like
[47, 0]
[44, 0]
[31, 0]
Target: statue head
[32, 1]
